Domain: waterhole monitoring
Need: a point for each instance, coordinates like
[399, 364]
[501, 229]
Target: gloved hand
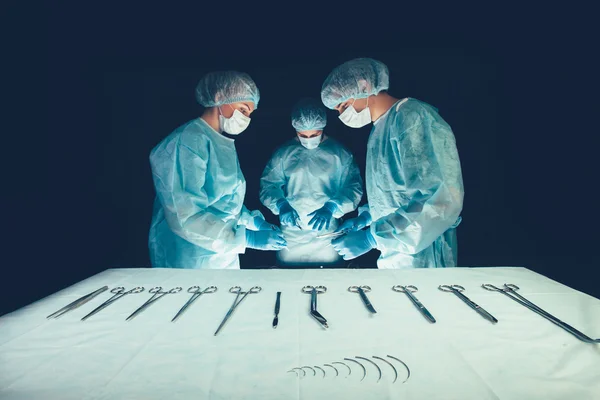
[354, 244]
[265, 240]
[321, 218]
[263, 225]
[287, 215]
[355, 224]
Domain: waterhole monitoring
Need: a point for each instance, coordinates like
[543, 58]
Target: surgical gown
[199, 220]
[308, 179]
[414, 187]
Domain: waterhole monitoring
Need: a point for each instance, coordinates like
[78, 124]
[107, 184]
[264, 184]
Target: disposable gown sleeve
[273, 183]
[432, 189]
[248, 218]
[179, 185]
[351, 190]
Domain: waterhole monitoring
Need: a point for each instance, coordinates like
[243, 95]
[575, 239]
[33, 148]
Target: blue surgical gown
[414, 187]
[308, 179]
[199, 220]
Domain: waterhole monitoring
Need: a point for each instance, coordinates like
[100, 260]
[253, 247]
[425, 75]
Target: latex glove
[321, 218]
[354, 244]
[355, 224]
[265, 240]
[287, 215]
[263, 225]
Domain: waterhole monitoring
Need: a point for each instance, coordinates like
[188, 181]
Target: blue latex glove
[265, 240]
[354, 244]
[321, 218]
[355, 224]
[287, 215]
[263, 225]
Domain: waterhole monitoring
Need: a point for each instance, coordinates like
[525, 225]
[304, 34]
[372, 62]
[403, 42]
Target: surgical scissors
[510, 290]
[77, 303]
[408, 290]
[457, 289]
[118, 292]
[361, 291]
[313, 291]
[196, 292]
[238, 291]
[157, 294]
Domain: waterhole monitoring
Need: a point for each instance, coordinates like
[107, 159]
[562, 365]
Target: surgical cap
[308, 115]
[226, 87]
[355, 79]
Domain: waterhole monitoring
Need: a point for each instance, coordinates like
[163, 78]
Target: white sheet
[462, 356]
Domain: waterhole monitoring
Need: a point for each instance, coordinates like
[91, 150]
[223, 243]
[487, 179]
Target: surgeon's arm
[432, 181]
[351, 190]
[251, 219]
[180, 188]
[272, 184]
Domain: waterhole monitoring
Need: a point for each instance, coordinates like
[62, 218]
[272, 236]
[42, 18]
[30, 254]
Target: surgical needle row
[353, 361]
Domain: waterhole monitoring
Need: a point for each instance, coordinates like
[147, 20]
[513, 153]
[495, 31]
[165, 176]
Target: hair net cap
[355, 79]
[308, 115]
[226, 87]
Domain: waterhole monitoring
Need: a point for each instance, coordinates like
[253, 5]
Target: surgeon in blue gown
[199, 218]
[413, 174]
[310, 182]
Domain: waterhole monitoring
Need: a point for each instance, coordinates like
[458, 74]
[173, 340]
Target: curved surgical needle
[294, 371]
[334, 368]
[345, 365]
[391, 365]
[362, 366]
[408, 369]
[303, 371]
[316, 366]
[314, 372]
[372, 362]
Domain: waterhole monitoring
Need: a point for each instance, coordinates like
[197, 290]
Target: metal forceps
[333, 234]
[157, 294]
[408, 290]
[361, 291]
[196, 292]
[238, 291]
[77, 303]
[313, 291]
[510, 290]
[118, 292]
[457, 289]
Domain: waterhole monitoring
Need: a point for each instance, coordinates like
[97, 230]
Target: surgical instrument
[334, 368]
[196, 292]
[361, 291]
[157, 294]
[276, 319]
[77, 303]
[403, 363]
[362, 366]
[324, 373]
[510, 290]
[238, 291]
[408, 290]
[313, 291]
[457, 289]
[391, 365]
[118, 293]
[345, 365]
[372, 362]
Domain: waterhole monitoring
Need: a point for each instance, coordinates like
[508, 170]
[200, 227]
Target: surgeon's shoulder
[411, 113]
[286, 149]
[337, 147]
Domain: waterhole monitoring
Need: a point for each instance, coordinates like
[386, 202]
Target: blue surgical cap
[226, 87]
[308, 115]
[355, 79]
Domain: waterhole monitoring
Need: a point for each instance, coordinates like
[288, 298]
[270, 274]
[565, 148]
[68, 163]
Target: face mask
[312, 142]
[234, 125]
[355, 119]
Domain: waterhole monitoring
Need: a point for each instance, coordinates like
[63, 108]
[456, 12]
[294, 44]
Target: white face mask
[355, 119]
[311, 142]
[234, 125]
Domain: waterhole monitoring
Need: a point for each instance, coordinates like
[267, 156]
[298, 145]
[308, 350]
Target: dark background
[521, 102]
